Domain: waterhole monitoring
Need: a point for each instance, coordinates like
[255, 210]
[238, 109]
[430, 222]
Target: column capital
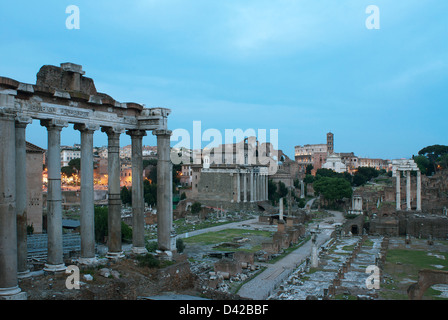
[22, 121]
[7, 113]
[136, 133]
[110, 131]
[54, 124]
[162, 132]
[87, 127]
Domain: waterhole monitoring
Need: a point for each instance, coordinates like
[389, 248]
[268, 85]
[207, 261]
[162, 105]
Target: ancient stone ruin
[63, 95]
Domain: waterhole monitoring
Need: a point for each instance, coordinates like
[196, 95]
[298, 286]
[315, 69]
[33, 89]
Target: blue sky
[303, 67]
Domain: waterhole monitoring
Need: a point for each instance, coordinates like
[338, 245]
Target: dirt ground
[134, 282]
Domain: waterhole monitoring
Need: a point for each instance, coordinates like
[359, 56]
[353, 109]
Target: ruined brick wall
[230, 266]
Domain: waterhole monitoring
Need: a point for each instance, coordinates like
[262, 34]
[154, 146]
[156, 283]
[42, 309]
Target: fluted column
[251, 186]
[408, 190]
[114, 217]
[398, 189]
[164, 192]
[238, 187]
[21, 195]
[55, 260]
[138, 201]
[9, 287]
[256, 187]
[87, 219]
[245, 186]
[419, 191]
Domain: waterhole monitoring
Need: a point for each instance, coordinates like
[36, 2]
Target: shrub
[196, 207]
[152, 246]
[180, 246]
[148, 260]
[101, 226]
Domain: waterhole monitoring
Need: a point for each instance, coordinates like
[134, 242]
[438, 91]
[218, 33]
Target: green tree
[308, 179]
[433, 153]
[180, 246]
[282, 190]
[101, 225]
[126, 195]
[443, 161]
[68, 171]
[359, 179]
[423, 164]
[308, 169]
[326, 173]
[272, 190]
[75, 163]
[196, 207]
[368, 172]
[150, 192]
[333, 189]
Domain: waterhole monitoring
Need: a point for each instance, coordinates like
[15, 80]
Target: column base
[55, 267]
[166, 255]
[115, 255]
[14, 293]
[88, 261]
[24, 274]
[139, 250]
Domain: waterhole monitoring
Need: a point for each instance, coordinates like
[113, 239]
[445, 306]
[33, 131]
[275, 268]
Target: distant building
[334, 162]
[68, 154]
[375, 163]
[126, 152]
[314, 154]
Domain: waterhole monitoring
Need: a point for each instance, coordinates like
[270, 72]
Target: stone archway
[426, 278]
[354, 229]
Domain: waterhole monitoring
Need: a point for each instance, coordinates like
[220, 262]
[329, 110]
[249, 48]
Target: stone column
[280, 204]
[113, 170]
[164, 192]
[251, 186]
[245, 186]
[265, 191]
[398, 190]
[302, 189]
[267, 186]
[256, 187]
[408, 190]
[21, 196]
[314, 252]
[419, 191]
[55, 262]
[238, 187]
[138, 201]
[87, 219]
[9, 288]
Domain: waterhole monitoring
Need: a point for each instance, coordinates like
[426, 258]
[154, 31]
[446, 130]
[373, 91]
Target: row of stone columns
[408, 190]
[254, 184]
[13, 196]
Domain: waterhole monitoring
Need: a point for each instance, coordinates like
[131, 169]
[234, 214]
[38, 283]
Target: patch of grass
[348, 248]
[182, 227]
[344, 297]
[225, 236]
[368, 243]
[417, 258]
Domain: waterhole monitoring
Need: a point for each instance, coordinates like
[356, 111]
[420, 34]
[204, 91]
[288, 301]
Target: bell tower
[330, 143]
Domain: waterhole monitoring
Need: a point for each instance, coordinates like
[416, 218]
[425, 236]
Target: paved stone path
[261, 287]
